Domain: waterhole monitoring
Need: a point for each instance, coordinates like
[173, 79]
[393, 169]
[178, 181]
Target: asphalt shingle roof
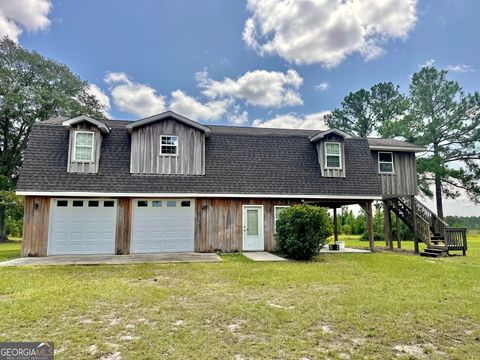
[391, 142]
[238, 161]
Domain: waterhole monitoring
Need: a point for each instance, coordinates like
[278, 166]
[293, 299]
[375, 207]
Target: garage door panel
[163, 228]
[82, 230]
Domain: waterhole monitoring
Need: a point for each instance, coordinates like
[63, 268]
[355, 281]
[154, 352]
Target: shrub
[376, 236]
[302, 230]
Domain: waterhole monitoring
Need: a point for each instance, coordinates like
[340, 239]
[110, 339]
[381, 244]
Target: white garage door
[162, 225]
[82, 226]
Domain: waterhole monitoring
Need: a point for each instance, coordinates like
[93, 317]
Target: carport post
[335, 225]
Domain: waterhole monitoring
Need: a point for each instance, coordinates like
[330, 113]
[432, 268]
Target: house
[169, 184]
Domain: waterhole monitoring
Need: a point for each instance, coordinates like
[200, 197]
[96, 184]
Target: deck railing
[456, 239]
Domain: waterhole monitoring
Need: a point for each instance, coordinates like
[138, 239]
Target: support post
[414, 222]
[399, 235]
[369, 213]
[335, 225]
[387, 225]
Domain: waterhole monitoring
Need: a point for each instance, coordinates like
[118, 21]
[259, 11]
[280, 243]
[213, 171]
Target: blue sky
[163, 44]
[244, 62]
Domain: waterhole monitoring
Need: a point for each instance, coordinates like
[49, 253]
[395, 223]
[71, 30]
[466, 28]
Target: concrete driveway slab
[262, 256]
[113, 259]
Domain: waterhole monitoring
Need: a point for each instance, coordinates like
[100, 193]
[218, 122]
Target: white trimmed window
[385, 163]
[277, 211]
[83, 146]
[168, 145]
[333, 155]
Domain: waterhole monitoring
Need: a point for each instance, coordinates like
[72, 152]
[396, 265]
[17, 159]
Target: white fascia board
[397, 148]
[193, 195]
[103, 128]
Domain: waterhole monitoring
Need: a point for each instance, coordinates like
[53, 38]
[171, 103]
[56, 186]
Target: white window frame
[386, 162]
[275, 215]
[162, 145]
[75, 146]
[340, 157]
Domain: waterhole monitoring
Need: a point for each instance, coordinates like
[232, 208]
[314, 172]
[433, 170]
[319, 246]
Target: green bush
[377, 236]
[302, 230]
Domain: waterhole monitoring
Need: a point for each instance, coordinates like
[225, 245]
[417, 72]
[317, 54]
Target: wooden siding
[321, 156]
[84, 167]
[35, 226]
[123, 232]
[146, 158]
[404, 179]
[219, 223]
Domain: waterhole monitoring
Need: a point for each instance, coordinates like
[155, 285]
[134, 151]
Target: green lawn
[354, 306]
[10, 249]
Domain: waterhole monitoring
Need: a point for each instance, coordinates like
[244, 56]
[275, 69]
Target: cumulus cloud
[326, 31]
[101, 97]
[192, 108]
[429, 62]
[322, 86]
[134, 98]
[259, 88]
[19, 15]
[313, 121]
[460, 68]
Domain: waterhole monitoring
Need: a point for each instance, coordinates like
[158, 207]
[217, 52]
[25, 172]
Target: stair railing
[454, 238]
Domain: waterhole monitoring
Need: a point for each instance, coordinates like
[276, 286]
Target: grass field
[340, 306]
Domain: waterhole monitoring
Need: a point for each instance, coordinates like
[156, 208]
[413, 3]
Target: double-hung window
[168, 145]
[83, 146]
[385, 163]
[333, 155]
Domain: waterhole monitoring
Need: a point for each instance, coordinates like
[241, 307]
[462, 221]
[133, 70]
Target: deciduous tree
[33, 88]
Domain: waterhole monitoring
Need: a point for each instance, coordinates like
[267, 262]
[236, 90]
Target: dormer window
[385, 163]
[83, 146]
[169, 145]
[333, 155]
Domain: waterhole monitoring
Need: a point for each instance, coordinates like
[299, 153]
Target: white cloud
[259, 88]
[427, 63]
[101, 97]
[322, 86]
[191, 108]
[460, 68]
[134, 98]
[313, 121]
[19, 15]
[326, 31]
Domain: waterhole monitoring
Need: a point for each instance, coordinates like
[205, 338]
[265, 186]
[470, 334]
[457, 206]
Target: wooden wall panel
[123, 232]
[145, 156]
[404, 180]
[35, 226]
[84, 167]
[219, 223]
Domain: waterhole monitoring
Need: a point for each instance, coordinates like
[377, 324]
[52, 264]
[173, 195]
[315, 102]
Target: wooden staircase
[438, 236]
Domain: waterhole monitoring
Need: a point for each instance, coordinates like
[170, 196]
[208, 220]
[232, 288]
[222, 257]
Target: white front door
[253, 228]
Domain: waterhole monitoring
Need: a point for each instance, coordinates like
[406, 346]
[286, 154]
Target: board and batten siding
[84, 167]
[123, 230]
[35, 225]
[219, 223]
[404, 179]
[145, 153]
[320, 145]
